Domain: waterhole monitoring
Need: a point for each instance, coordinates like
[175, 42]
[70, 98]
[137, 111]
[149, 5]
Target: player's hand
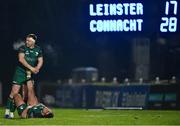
[37, 69]
[34, 70]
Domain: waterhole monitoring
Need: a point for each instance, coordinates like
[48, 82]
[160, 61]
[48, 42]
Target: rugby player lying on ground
[36, 110]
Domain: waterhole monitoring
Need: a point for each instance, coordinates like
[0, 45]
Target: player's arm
[24, 63]
[40, 63]
[40, 60]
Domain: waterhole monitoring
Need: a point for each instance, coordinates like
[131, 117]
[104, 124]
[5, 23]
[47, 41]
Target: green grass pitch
[100, 117]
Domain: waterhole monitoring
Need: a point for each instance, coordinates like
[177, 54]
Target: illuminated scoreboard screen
[146, 16]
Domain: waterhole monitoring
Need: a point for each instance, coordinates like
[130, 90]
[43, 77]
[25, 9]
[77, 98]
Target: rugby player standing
[30, 62]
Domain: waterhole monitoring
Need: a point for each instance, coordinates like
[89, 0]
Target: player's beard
[30, 45]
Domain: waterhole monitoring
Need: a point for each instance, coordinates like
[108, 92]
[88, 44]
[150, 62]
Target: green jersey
[31, 56]
[36, 111]
[33, 112]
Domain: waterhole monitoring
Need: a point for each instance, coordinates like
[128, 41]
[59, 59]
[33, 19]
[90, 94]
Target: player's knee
[30, 87]
[14, 91]
[30, 84]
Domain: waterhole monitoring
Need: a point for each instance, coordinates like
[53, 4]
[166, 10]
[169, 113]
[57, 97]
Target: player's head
[47, 113]
[30, 40]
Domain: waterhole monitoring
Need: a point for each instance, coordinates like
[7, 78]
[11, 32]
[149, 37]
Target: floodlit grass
[100, 117]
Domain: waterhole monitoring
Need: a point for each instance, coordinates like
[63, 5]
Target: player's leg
[25, 93]
[18, 79]
[18, 100]
[10, 106]
[24, 86]
[21, 106]
[32, 99]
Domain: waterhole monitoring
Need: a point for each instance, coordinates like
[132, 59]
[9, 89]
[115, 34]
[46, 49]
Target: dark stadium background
[62, 25]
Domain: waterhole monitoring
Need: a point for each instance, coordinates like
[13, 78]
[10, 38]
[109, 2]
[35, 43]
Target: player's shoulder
[38, 47]
[22, 48]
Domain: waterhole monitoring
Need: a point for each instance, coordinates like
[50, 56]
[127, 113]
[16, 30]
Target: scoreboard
[169, 23]
[159, 16]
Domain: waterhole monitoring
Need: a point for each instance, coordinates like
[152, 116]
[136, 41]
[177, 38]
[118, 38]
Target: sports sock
[13, 107]
[10, 105]
[9, 102]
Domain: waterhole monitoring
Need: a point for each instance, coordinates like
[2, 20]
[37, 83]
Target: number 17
[167, 7]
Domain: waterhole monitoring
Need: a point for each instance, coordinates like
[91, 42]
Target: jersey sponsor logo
[27, 52]
[37, 53]
[21, 107]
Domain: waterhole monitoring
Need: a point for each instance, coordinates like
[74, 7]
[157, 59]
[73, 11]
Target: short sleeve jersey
[31, 55]
[36, 111]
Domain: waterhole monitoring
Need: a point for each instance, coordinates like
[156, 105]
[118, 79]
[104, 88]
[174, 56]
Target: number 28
[168, 24]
